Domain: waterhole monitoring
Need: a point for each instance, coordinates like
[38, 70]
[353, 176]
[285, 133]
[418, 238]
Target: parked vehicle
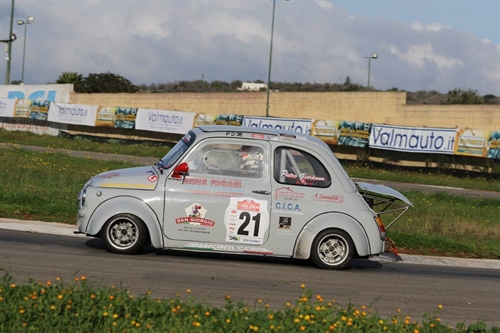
[234, 189]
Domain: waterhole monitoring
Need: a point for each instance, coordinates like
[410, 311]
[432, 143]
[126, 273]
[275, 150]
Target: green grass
[159, 149]
[83, 306]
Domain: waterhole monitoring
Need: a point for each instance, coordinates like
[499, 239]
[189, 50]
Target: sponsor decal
[153, 178]
[288, 194]
[216, 182]
[224, 247]
[248, 205]
[328, 198]
[303, 178]
[287, 206]
[195, 181]
[285, 223]
[109, 175]
[258, 136]
[195, 215]
[234, 134]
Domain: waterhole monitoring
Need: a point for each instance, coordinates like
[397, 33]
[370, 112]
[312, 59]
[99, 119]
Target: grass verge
[83, 306]
[159, 149]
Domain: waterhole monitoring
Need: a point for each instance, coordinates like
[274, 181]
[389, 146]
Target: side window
[227, 159]
[297, 167]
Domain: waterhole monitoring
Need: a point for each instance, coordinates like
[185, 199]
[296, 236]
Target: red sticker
[153, 178]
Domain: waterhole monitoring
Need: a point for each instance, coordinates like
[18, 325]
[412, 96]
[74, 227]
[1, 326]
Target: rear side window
[292, 166]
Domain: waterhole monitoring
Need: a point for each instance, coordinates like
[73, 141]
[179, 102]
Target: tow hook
[394, 250]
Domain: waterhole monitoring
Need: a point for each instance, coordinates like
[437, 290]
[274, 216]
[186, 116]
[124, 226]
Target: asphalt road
[467, 294]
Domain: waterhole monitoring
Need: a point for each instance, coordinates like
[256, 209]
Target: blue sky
[422, 45]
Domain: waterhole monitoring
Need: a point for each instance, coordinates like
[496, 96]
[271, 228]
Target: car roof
[265, 131]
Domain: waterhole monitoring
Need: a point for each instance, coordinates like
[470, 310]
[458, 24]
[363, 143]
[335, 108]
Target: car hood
[382, 190]
[142, 178]
[384, 200]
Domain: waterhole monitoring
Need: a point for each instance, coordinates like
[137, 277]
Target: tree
[69, 77]
[16, 82]
[347, 81]
[105, 83]
[461, 96]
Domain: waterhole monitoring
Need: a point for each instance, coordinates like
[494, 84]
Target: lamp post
[373, 56]
[21, 22]
[270, 59]
[9, 44]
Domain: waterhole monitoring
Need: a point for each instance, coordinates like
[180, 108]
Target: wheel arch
[303, 244]
[126, 205]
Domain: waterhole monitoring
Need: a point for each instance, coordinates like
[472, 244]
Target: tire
[332, 249]
[124, 234]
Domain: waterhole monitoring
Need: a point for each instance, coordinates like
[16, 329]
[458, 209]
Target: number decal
[246, 217]
[246, 220]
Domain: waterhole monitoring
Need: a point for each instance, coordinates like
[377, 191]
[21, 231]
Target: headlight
[83, 196]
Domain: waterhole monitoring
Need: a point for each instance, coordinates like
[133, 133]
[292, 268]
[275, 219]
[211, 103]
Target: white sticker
[246, 220]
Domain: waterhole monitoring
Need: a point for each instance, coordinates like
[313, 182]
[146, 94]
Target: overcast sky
[421, 44]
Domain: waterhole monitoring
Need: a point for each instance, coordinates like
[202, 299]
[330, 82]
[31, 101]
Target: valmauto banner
[164, 121]
[72, 114]
[412, 139]
[294, 125]
[7, 107]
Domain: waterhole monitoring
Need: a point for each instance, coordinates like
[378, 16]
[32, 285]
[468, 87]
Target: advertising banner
[354, 133]
[326, 130]
[471, 142]
[51, 92]
[493, 144]
[72, 114]
[177, 122]
[203, 119]
[412, 139]
[7, 107]
[22, 108]
[294, 125]
[116, 116]
[30, 125]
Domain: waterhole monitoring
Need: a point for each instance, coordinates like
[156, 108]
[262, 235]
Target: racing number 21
[245, 216]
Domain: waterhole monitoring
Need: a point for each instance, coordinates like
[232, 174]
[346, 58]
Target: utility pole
[9, 45]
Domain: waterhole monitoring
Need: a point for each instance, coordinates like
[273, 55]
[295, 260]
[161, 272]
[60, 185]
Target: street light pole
[9, 45]
[270, 60]
[373, 56]
[21, 22]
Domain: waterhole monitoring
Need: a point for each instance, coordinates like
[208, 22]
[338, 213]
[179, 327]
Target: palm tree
[70, 77]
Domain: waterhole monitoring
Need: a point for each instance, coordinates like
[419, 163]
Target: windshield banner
[413, 139]
[177, 122]
[72, 114]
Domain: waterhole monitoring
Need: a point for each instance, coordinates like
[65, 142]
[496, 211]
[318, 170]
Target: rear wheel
[332, 249]
[124, 233]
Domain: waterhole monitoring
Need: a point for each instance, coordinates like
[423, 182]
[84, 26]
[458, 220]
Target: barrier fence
[448, 141]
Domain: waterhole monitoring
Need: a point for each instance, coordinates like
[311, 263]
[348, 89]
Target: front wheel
[332, 249]
[124, 233]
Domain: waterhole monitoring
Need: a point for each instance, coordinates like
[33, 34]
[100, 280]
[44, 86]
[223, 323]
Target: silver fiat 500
[231, 189]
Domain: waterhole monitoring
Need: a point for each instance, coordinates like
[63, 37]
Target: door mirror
[180, 171]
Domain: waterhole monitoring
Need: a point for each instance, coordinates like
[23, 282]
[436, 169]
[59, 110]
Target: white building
[252, 86]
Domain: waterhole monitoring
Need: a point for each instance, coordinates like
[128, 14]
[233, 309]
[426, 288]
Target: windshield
[177, 151]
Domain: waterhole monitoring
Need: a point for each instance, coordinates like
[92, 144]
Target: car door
[303, 188]
[225, 198]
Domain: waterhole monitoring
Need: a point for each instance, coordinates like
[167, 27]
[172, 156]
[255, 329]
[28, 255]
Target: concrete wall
[374, 107]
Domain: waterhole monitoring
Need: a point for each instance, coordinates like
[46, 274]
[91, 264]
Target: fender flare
[303, 244]
[126, 205]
